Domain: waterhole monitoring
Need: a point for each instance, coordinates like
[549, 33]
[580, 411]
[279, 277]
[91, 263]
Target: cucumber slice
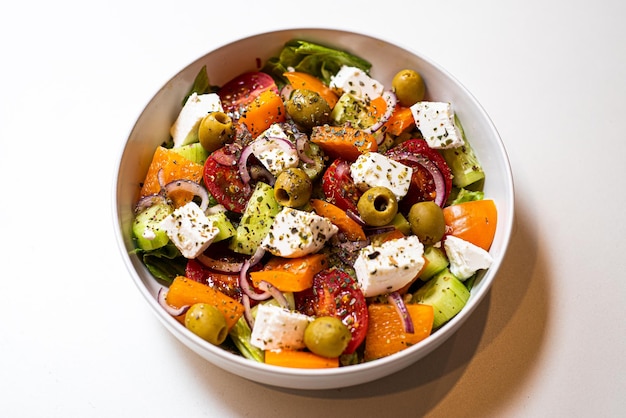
[463, 163]
[350, 109]
[221, 221]
[446, 294]
[436, 261]
[146, 227]
[401, 224]
[193, 152]
[256, 220]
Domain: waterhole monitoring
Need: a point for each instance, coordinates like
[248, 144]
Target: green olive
[427, 222]
[377, 206]
[327, 336]
[292, 188]
[215, 130]
[207, 322]
[308, 109]
[409, 87]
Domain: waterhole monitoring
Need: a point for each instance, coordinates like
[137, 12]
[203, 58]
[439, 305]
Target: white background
[78, 340]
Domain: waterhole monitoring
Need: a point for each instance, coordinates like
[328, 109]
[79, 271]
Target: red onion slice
[396, 300]
[162, 299]
[302, 145]
[219, 265]
[355, 217]
[245, 285]
[189, 186]
[247, 310]
[440, 183]
[150, 200]
[285, 92]
[276, 294]
[390, 100]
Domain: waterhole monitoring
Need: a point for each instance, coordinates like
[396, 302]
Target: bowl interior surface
[152, 128]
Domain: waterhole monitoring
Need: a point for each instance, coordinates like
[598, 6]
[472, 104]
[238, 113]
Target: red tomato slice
[224, 182]
[335, 293]
[338, 186]
[225, 283]
[243, 89]
[422, 186]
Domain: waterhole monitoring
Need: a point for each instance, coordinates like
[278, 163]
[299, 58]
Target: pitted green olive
[215, 130]
[308, 109]
[292, 188]
[327, 336]
[377, 206]
[207, 322]
[427, 222]
[409, 87]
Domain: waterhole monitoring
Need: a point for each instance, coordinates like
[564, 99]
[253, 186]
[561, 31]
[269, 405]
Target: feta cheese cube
[190, 229]
[465, 257]
[387, 267]
[296, 233]
[373, 169]
[356, 82]
[273, 150]
[435, 120]
[276, 328]
[185, 130]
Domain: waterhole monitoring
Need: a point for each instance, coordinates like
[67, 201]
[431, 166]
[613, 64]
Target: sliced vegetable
[299, 359]
[243, 89]
[304, 81]
[474, 221]
[224, 182]
[463, 163]
[343, 142]
[166, 166]
[386, 335]
[290, 274]
[256, 220]
[267, 108]
[401, 120]
[339, 188]
[340, 218]
[446, 294]
[183, 292]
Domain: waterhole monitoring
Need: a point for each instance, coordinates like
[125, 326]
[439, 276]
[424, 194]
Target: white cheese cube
[190, 229]
[373, 169]
[276, 328]
[465, 257]
[185, 130]
[296, 233]
[435, 120]
[388, 267]
[356, 82]
[274, 151]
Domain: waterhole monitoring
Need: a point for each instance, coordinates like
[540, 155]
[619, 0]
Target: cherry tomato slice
[224, 182]
[335, 293]
[338, 186]
[243, 89]
[225, 283]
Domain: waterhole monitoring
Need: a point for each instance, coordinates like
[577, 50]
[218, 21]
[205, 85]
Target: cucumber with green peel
[350, 109]
[401, 224]
[221, 221]
[256, 220]
[463, 163]
[146, 227]
[446, 294]
[436, 261]
[193, 152]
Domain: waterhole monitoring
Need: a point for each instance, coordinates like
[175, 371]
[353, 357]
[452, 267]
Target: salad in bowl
[312, 214]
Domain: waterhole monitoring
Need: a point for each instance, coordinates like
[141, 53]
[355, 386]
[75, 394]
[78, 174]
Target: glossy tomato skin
[422, 186]
[338, 186]
[243, 89]
[335, 293]
[225, 283]
[223, 181]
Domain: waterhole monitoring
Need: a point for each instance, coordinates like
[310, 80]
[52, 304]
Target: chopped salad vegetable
[308, 215]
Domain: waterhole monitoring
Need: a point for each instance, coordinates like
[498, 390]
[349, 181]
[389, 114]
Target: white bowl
[152, 128]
